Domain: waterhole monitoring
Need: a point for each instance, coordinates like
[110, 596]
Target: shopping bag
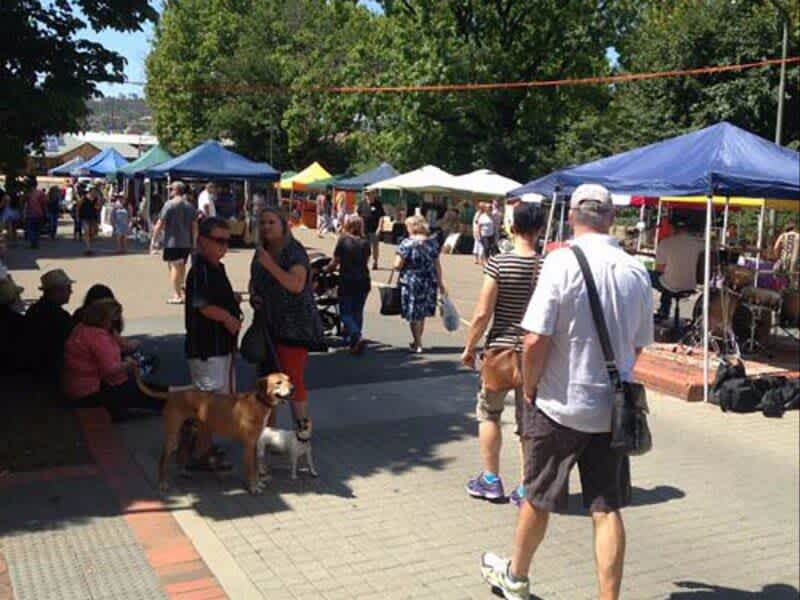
[390, 297]
[450, 318]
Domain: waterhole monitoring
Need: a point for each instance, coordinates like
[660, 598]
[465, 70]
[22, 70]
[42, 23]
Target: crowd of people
[536, 310]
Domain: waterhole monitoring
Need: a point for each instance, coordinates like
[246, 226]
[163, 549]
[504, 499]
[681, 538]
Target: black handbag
[390, 297]
[257, 347]
[630, 432]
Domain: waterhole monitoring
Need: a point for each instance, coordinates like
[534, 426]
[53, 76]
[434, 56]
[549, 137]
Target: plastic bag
[450, 318]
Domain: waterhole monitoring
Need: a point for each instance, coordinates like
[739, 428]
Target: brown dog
[239, 416]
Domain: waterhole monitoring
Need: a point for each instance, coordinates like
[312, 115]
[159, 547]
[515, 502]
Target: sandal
[175, 301]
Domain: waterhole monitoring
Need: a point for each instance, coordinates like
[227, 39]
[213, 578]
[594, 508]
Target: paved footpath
[715, 513]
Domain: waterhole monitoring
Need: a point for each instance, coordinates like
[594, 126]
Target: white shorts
[213, 374]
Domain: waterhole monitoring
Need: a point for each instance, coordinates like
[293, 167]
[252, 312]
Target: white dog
[286, 442]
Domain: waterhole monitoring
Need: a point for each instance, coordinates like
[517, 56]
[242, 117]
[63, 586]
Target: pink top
[36, 207]
[91, 356]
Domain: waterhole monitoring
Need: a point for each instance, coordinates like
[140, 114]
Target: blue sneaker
[478, 487]
[517, 496]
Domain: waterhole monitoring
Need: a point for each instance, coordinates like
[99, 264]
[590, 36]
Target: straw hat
[9, 292]
[55, 278]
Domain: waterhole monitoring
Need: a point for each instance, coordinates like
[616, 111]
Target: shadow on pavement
[639, 497]
[380, 363]
[706, 591]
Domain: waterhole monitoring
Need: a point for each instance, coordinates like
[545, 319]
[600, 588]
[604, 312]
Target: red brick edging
[183, 574]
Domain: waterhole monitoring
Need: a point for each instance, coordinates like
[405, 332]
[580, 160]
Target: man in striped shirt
[509, 281]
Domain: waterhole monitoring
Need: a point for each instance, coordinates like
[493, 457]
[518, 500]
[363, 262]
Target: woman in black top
[352, 257]
[280, 289]
[89, 206]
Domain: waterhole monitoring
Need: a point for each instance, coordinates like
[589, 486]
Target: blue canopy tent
[210, 160]
[107, 162]
[66, 168]
[359, 182]
[723, 160]
[719, 160]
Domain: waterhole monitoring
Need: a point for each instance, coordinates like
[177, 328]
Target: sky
[135, 46]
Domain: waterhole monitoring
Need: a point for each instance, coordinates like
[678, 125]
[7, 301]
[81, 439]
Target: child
[120, 222]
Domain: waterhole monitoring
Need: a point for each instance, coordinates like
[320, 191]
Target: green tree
[48, 71]
[193, 40]
[688, 34]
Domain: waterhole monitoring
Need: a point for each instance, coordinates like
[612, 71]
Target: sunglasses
[223, 241]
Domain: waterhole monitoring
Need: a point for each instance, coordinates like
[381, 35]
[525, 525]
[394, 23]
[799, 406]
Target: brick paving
[716, 513]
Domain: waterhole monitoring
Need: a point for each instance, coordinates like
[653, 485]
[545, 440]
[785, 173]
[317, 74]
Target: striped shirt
[516, 279]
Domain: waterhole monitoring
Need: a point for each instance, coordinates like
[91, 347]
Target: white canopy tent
[425, 179]
[484, 182]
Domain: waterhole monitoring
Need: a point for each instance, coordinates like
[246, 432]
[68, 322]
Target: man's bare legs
[177, 275]
[609, 552]
[531, 527]
[609, 546]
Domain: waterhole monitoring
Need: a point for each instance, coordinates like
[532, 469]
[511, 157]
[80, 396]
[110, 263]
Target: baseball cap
[591, 197]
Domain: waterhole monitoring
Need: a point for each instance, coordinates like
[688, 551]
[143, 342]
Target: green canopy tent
[155, 156]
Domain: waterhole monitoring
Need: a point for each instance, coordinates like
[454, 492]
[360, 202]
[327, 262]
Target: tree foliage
[48, 71]
[248, 69]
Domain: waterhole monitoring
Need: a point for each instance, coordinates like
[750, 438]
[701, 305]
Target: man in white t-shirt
[676, 260]
[206, 200]
[564, 370]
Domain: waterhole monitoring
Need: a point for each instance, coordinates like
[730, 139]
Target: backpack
[726, 371]
[739, 395]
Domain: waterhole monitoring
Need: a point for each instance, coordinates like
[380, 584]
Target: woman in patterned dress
[420, 276]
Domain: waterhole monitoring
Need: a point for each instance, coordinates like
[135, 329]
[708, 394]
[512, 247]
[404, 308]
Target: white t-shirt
[574, 389]
[485, 226]
[205, 202]
[679, 254]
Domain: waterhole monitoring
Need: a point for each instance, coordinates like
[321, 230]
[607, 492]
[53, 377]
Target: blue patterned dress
[418, 281]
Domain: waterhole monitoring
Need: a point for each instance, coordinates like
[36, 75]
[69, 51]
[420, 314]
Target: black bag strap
[599, 318]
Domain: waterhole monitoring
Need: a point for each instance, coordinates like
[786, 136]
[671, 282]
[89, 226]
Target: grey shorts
[551, 450]
[491, 404]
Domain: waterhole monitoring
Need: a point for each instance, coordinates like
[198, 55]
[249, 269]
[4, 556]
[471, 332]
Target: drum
[762, 298]
[723, 310]
[790, 312]
[739, 277]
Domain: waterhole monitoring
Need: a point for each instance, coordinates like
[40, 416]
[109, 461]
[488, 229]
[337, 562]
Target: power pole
[784, 13]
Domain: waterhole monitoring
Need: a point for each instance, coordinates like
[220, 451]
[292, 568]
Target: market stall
[721, 160]
[107, 162]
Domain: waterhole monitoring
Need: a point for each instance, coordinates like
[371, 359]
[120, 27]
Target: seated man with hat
[48, 325]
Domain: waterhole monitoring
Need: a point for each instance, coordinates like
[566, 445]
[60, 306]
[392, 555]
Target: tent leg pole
[658, 224]
[641, 231]
[706, 291]
[561, 224]
[725, 222]
[759, 242]
[549, 227]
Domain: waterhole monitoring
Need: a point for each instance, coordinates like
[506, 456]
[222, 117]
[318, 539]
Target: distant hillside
[122, 114]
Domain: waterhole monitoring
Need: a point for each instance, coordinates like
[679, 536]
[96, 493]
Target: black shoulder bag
[629, 430]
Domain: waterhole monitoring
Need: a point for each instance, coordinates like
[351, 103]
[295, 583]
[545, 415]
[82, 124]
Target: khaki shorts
[491, 404]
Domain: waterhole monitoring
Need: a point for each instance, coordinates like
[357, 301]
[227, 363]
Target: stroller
[326, 294]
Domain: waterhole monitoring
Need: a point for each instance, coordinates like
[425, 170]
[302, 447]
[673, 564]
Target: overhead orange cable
[470, 87]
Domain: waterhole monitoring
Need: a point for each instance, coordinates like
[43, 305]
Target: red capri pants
[293, 362]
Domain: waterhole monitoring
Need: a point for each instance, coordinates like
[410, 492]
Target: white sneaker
[495, 572]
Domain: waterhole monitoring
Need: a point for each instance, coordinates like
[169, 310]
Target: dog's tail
[148, 391]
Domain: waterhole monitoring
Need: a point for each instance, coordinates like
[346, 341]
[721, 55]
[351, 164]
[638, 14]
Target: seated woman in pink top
[95, 373]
